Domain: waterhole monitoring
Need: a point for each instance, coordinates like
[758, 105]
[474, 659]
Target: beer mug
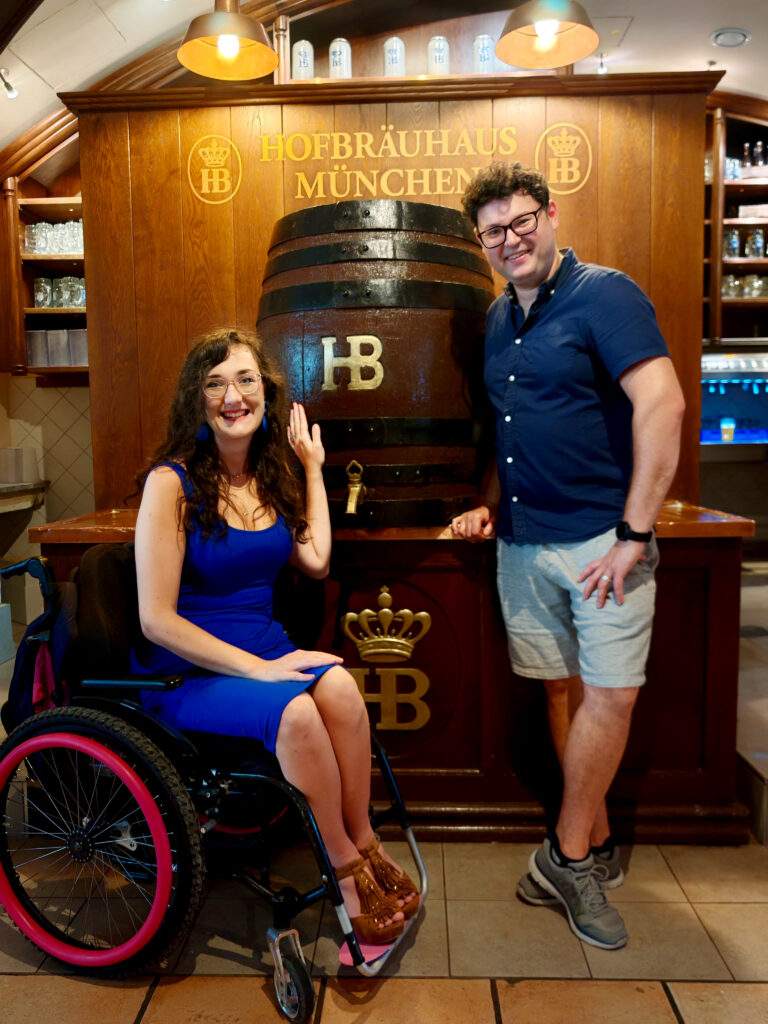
[438, 56]
[483, 54]
[340, 59]
[394, 56]
[42, 290]
[302, 60]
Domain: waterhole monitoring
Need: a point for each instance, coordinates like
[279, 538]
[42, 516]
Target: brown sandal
[375, 906]
[393, 883]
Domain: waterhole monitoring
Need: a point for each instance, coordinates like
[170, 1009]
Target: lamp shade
[547, 34]
[200, 51]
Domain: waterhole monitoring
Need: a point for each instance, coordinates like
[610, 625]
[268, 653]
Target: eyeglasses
[246, 384]
[523, 225]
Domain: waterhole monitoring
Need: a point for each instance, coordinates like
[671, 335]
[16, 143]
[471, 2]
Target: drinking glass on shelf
[30, 239]
[731, 286]
[754, 243]
[42, 290]
[59, 292]
[731, 243]
[753, 286]
[42, 234]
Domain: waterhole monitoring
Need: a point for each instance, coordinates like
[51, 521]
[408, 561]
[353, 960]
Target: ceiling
[51, 46]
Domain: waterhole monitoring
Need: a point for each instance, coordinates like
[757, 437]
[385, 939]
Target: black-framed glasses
[525, 224]
[246, 384]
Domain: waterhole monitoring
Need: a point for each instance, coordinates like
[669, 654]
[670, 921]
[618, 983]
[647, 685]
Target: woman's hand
[307, 445]
[292, 668]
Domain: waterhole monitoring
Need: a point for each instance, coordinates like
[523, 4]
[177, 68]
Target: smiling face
[529, 260]
[234, 416]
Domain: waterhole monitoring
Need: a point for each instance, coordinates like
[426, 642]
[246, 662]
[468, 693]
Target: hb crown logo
[214, 169]
[564, 157]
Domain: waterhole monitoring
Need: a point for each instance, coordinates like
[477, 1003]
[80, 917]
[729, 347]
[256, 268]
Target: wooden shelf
[52, 208]
[760, 262]
[52, 257]
[57, 369]
[52, 310]
[745, 222]
[739, 300]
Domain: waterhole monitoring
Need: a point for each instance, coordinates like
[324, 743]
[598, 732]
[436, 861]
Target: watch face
[622, 530]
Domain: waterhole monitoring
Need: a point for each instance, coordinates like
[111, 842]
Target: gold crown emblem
[563, 144]
[385, 635]
[214, 156]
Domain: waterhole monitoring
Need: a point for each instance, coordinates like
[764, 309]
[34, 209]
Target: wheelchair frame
[104, 706]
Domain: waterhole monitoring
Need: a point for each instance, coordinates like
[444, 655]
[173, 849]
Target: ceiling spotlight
[227, 45]
[12, 93]
[545, 34]
[602, 67]
[730, 37]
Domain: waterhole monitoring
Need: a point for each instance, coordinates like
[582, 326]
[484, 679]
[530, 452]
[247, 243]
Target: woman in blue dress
[221, 512]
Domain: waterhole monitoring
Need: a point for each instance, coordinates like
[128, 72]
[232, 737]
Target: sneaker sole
[536, 901]
[545, 883]
[613, 883]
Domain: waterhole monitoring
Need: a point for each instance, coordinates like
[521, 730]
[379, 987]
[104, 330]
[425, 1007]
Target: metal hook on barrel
[355, 488]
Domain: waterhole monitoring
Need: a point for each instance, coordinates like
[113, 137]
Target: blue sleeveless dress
[227, 589]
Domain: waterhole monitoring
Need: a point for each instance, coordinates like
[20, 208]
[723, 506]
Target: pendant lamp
[547, 34]
[227, 45]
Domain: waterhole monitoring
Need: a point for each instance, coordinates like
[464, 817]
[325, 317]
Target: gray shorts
[554, 634]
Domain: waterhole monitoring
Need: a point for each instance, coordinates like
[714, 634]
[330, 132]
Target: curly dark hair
[498, 181]
[269, 455]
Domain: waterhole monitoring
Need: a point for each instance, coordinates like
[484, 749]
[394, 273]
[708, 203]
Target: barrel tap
[355, 487]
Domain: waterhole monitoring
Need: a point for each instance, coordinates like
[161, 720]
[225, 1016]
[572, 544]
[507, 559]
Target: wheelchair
[108, 815]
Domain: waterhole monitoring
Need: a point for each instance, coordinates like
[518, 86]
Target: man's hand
[611, 570]
[478, 524]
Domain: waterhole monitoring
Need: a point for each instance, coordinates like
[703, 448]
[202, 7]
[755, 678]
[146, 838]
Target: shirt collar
[547, 288]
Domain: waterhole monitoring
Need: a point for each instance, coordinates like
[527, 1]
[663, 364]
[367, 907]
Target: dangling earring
[265, 422]
[203, 432]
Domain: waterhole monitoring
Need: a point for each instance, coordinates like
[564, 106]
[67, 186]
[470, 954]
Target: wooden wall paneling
[527, 116]
[676, 259]
[208, 239]
[300, 122]
[624, 195]
[258, 203]
[578, 208]
[12, 355]
[349, 118]
[420, 178]
[475, 119]
[157, 179]
[109, 270]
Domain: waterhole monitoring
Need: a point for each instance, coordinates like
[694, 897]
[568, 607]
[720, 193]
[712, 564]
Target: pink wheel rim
[21, 917]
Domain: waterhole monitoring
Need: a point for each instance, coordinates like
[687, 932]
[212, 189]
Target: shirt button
[510, 459]
[511, 376]
[514, 498]
[518, 341]
[507, 419]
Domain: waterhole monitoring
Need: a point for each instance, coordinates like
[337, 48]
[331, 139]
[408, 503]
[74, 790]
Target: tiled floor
[697, 918]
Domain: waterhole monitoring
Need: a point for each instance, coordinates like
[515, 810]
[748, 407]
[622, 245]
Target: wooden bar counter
[467, 737]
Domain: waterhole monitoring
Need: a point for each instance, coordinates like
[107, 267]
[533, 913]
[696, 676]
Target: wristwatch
[625, 532]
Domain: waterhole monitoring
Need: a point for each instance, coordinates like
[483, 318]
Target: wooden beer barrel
[376, 312]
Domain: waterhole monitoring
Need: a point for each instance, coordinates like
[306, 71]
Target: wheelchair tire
[296, 998]
[101, 862]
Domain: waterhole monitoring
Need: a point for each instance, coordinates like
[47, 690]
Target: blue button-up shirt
[563, 422]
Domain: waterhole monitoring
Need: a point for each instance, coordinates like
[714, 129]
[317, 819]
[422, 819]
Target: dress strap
[181, 472]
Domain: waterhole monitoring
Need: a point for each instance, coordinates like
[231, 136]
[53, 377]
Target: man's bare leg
[595, 743]
[564, 696]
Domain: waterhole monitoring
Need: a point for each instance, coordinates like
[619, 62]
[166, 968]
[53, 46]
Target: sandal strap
[374, 904]
[393, 882]
[349, 869]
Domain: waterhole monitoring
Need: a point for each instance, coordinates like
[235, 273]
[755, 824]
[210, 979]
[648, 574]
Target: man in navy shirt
[587, 413]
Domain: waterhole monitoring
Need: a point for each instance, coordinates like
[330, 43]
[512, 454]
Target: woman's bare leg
[308, 761]
[342, 709]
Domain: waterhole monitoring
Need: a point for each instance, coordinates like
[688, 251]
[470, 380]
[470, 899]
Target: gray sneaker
[612, 875]
[578, 888]
[607, 868]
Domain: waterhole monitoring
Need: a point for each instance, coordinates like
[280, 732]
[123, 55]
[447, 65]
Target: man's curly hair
[499, 181]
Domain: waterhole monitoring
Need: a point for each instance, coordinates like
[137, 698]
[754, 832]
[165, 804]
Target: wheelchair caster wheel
[295, 992]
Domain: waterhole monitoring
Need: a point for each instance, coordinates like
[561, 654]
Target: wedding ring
[606, 578]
